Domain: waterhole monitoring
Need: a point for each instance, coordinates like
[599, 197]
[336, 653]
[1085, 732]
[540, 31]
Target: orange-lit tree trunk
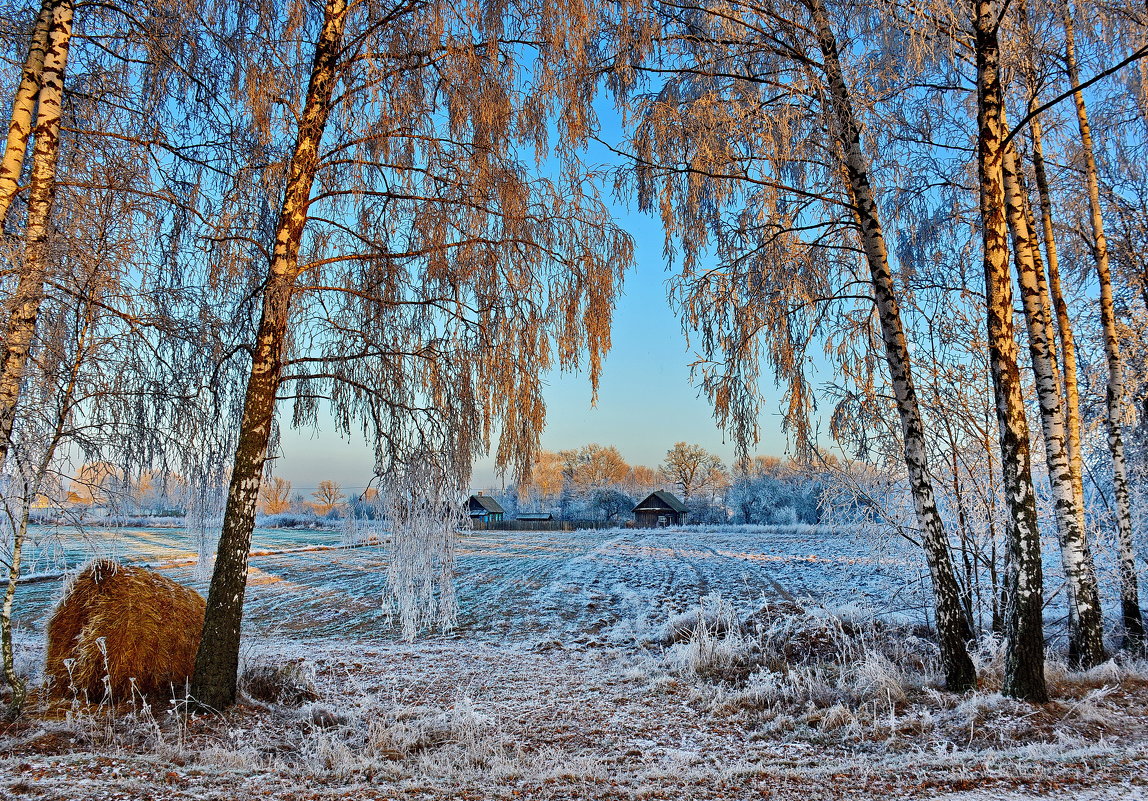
[20, 328]
[1133, 620]
[217, 662]
[23, 110]
[1024, 635]
[1086, 634]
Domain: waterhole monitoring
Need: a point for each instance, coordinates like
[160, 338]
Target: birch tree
[1024, 626]
[1058, 404]
[23, 110]
[24, 307]
[410, 270]
[1086, 637]
[808, 209]
[1134, 635]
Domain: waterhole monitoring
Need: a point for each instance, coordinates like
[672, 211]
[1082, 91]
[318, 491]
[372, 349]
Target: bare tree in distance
[691, 469]
[593, 467]
[328, 497]
[275, 496]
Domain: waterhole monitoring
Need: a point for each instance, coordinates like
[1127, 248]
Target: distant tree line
[594, 482]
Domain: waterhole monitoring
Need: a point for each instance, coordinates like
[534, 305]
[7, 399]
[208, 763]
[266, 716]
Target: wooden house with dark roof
[485, 508]
[658, 510]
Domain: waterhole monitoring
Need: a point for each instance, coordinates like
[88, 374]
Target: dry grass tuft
[808, 673]
[290, 684]
[120, 631]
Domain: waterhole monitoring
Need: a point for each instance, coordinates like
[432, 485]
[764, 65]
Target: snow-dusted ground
[558, 684]
[569, 585]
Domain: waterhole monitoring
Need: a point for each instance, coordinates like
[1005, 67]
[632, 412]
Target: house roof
[488, 503]
[535, 516]
[662, 500]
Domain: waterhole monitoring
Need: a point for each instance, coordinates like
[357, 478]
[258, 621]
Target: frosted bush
[218, 756]
[296, 520]
[416, 729]
[422, 504]
[876, 677]
[290, 683]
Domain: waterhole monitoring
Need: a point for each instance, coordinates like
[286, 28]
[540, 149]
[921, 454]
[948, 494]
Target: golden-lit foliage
[546, 475]
[731, 152]
[440, 276]
[593, 466]
[275, 496]
[328, 497]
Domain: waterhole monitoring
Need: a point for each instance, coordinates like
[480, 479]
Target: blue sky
[645, 404]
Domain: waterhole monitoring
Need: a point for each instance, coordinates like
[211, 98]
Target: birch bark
[23, 110]
[33, 269]
[1067, 339]
[1086, 635]
[1134, 637]
[953, 627]
[217, 662]
[1024, 636]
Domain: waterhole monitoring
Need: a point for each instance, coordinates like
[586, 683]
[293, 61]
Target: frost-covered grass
[454, 719]
[815, 674]
[597, 664]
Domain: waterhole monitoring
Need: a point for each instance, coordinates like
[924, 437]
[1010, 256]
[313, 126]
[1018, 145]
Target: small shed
[536, 516]
[658, 510]
[485, 508]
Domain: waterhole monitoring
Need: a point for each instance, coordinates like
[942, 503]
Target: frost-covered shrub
[297, 520]
[714, 614]
[356, 532]
[414, 729]
[791, 655]
[791, 633]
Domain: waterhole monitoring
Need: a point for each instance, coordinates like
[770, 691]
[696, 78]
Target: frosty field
[578, 670]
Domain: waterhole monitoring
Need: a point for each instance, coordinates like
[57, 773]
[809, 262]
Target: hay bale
[148, 625]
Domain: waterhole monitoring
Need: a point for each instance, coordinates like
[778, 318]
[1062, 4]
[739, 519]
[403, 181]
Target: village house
[658, 510]
[483, 508]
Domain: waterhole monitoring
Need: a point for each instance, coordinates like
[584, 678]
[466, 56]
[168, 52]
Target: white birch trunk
[21, 325]
[1024, 627]
[1086, 633]
[953, 627]
[1066, 339]
[1133, 620]
[23, 109]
